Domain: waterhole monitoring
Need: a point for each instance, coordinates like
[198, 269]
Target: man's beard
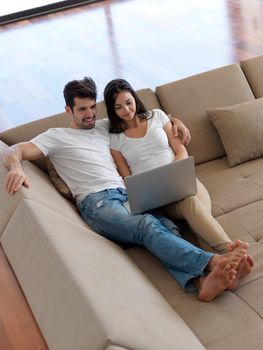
[88, 123]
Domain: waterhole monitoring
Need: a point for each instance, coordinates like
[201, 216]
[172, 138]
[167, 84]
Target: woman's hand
[179, 129]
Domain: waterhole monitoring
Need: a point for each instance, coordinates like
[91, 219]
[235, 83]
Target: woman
[141, 140]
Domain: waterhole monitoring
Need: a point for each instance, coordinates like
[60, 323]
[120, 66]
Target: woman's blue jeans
[105, 213]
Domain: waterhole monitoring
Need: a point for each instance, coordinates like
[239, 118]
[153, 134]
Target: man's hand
[15, 179]
[13, 156]
[179, 129]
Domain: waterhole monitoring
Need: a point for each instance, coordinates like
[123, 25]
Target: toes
[232, 274]
[223, 263]
[245, 245]
[238, 243]
[250, 261]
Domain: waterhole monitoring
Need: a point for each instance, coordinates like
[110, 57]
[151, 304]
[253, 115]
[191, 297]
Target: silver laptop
[160, 186]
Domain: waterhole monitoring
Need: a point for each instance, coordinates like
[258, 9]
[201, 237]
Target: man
[82, 158]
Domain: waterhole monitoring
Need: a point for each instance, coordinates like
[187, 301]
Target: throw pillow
[241, 130]
[60, 184]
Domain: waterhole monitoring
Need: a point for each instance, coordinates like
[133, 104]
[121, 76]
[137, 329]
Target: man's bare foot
[234, 256]
[217, 281]
[245, 267]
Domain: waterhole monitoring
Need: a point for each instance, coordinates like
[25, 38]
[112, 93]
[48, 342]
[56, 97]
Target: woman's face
[125, 106]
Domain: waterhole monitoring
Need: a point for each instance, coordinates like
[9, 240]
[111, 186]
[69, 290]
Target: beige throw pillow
[241, 130]
[60, 184]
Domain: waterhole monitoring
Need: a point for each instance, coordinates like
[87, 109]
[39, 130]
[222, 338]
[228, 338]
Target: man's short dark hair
[85, 88]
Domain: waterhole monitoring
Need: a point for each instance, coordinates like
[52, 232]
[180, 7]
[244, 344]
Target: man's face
[84, 113]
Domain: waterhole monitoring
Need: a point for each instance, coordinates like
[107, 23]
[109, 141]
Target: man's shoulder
[60, 131]
[103, 122]
[53, 130]
[102, 125]
[52, 134]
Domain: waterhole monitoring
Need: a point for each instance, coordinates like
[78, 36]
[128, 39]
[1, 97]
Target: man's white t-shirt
[82, 158]
[148, 152]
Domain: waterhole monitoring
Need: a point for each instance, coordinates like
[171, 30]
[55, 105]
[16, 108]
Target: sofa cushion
[232, 188]
[59, 183]
[189, 99]
[241, 130]
[244, 223]
[231, 321]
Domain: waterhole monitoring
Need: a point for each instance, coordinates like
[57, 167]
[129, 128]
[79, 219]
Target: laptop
[160, 186]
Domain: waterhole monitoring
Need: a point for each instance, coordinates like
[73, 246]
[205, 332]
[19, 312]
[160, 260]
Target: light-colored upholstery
[229, 322]
[232, 188]
[41, 190]
[28, 130]
[191, 97]
[253, 70]
[81, 279]
[88, 293]
[240, 128]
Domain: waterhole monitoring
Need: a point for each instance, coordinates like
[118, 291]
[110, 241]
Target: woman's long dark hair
[110, 94]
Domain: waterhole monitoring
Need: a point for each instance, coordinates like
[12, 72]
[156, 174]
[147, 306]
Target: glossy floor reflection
[148, 42]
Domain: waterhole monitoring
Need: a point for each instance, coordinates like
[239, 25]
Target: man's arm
[13, 157]
[175, 142]
[179, 129]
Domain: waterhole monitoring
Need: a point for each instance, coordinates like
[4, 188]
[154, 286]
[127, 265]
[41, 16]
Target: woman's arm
[121, 163]
[175, 142]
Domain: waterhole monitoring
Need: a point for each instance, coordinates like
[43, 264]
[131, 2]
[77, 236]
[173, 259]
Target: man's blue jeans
[105, 213]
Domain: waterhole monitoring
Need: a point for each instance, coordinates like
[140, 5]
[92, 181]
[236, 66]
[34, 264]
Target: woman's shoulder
[158, 111]
[114, 136]
[115, 139]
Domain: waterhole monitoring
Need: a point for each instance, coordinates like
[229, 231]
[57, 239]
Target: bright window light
[12, 6]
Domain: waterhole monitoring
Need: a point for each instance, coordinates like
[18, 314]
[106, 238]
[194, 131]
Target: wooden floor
[18, 329]
[147, 42]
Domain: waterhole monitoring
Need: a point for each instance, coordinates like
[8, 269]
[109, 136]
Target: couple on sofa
[85, 155]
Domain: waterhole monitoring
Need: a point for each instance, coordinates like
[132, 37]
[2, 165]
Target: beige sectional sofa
[88, 293]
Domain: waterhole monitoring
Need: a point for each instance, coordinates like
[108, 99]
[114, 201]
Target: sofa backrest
[190, 98]
[27, 131]
[253, 70]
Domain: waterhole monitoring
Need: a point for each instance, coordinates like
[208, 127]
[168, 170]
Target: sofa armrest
[84, 291]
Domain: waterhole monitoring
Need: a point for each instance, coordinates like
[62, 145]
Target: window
[13, 10]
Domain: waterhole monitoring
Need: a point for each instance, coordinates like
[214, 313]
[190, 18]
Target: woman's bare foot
[236, 244]
[226, 272]
[235, 256]
[245, 267]
[246, 264]
[217, 281]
